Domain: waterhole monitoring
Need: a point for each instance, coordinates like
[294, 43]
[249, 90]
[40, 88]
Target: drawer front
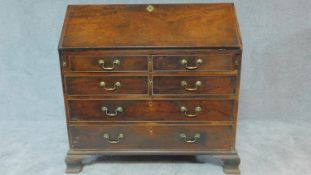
[151, 136]
[209, 62]
[105, 85]
[194, 85]
[157, 110]
[108, 63]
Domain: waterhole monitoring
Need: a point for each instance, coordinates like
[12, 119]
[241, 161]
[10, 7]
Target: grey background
[274, 112]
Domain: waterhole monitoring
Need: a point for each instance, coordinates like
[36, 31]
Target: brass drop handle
[113, 141]
[184, 62]
[105, 109]
[197, 110]
[115, 63]
[113, 88]
[195, 138]
[184, 84]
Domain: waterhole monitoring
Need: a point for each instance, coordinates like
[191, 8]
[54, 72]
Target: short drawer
[108, 63]
[194, 85]
[105, 85]
[151, 137]
[155, 110]
[208, 62]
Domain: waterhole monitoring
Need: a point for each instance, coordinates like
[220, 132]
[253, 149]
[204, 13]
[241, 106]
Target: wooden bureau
[151, 80]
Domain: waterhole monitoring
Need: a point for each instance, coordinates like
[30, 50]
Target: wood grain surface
[167, 26]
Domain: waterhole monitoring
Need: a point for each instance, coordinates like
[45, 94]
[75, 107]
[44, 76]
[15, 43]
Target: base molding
[230, 159]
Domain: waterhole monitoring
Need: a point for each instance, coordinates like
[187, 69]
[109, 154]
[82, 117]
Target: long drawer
[151, 136]
[151, 110]
[103, 85]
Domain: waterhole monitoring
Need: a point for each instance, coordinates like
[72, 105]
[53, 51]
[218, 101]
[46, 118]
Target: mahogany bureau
[151, 80]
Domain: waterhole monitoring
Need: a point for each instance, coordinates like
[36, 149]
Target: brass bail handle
[113, 88]
[115, 64]
[113, 141]
[118, 110]
[184, 62]
[184, 84]
[195, 138]
[197, 110]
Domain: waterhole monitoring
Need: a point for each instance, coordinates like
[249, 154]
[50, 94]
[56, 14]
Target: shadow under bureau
[151, 80]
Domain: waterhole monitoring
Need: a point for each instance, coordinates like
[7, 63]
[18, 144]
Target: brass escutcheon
[150, 8]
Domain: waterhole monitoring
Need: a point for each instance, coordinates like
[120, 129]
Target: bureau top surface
[150, 26]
